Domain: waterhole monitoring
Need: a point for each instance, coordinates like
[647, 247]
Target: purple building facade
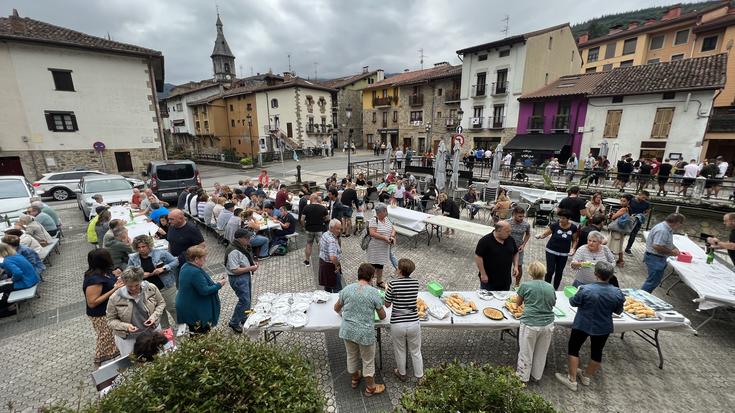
[554, 116]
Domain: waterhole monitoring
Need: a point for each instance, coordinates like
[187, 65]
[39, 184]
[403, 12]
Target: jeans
[241, 284]
[554, 268]
[262, 242]
[656, 265]
[633, 233]
[400, 202]
[473, 209]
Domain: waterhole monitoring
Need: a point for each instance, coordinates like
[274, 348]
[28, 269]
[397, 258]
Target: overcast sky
[342, 36]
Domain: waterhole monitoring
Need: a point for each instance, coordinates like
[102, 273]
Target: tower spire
[223, 60]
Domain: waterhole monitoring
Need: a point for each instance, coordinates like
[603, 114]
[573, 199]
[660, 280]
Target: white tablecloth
[408, 218]
[713, 283]
[458, 224]
[533, 194]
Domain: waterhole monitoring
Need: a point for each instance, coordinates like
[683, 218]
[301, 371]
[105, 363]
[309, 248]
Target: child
[405, 329]
[537, 323]
[359, 220]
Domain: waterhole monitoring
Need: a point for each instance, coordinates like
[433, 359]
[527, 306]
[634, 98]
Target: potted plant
[246, 162]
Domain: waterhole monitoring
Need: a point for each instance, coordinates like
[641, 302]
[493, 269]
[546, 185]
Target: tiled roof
[511, 40]
[207, 99]
[297, 82]
[570, 85]
[346, 80]
[190, 87]
[681, 75]
[26, 29]
[417, 76]
[221, 48]
[720, 22]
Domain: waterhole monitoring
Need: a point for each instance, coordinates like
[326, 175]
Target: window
[227, 68]
[477, 112]
[593, 54]
[607, 67]
[206, 125]
[197, 125]
[482, 57]
[629, 46]
[395, 116]
[590, 70]
[416, 115]
[369, 138]
[677, 57]
[375, 115]
[617, 99]
[385, 93]
[179, 107]
[274, 103]
[250, 106]
[610, 50]
[612, 123]
[504, 53]
[561, 120]
[682, 37]
[62, 80]
[657, 42]
[231, 108]
[501, 81]
[668, 95]
[481, 80]
[498, 115]
[626, 63]
[232, 122]
[653, 61]
[438, 115]
[61, 121]
[709, 43]
[375, 94]
[385, 119]
[439, 92]
[662, 123]
[370, 82]
[551, 41]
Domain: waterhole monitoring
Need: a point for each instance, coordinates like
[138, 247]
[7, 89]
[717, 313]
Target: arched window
[227, 68]
[274, 103]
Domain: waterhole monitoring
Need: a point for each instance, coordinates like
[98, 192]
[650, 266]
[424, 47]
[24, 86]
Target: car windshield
[170, 172]
[12, 188]
[106, 185]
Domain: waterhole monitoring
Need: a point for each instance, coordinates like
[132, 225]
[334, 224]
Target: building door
[436, 145]
[10, 165]
[394, 140]
[289, 130]
[721, 147]
[124, 162]
[408, 142]
[422, 145]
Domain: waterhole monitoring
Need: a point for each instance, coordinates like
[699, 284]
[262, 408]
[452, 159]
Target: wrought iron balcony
[500, 88]
[561, 123]
[479, 91]
[535, 123]
[451, 96]
[497, 122]
[477, 123]
[383, 101]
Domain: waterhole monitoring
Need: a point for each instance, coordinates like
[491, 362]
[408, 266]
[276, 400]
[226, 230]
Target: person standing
[589, 254]
[593, 224]
[574, 205]
[315, 216]
[100, 282]
[562, 243]
[382, 239]
[620, 217]
[722, 167]
[537, 323]
[659, 246]
[182, 235]
[409, 156]
[399, 158]
[520, 231]
[571, 167]
[729, 245]
[405, 330]
[158, 268]
[357, 304]
[119, 247]
[639, 208]
[197, 302]
[240, 266]
[664, 172]
[595, 304]
[350, 203]
[330, 252]
[496, 258]
[691, 170]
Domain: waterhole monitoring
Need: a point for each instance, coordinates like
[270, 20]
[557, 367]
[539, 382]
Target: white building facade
[76, 101]
[180, 123]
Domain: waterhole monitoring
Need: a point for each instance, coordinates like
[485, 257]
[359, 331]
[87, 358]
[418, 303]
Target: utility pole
[506, 29]
[421, 56]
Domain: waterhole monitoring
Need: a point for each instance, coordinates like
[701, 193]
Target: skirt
[616, 242]
[105, 348]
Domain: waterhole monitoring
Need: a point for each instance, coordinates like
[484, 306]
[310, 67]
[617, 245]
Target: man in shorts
[690, 175]
[520, 231]
[315, 217]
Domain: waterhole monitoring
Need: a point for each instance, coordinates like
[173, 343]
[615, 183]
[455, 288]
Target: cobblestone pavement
[49, 357]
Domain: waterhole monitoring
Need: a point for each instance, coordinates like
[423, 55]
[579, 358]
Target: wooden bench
[408, 233]
[291, 238]
[19, 297]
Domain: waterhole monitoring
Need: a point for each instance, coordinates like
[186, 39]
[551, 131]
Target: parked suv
[168, 178]
[15, 196]
[62, 185]
[115, 190]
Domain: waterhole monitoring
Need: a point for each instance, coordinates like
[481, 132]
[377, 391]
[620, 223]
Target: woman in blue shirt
[595, 304]
[18, 268]
[197, 301]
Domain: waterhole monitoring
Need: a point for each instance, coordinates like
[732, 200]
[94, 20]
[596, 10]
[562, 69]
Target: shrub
[247, 161]
[470, 388]
[215, 373]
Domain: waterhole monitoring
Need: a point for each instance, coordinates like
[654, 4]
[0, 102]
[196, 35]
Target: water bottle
[711, 256]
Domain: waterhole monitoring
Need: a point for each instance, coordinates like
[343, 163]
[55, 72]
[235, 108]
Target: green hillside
[599, 26]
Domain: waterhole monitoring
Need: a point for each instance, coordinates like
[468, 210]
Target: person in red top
[281, 196]
[263, 178]
[135, 201]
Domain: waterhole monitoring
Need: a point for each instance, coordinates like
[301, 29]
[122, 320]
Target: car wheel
[60, 194]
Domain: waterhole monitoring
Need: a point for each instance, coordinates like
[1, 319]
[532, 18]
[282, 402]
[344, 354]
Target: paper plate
[297, 320]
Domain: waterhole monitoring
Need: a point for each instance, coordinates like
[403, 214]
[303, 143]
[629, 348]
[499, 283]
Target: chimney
[405, 70]
[672, 13]
[287, 76]
[583, 38]
[440, 64]
[649, 22]
[17, 25]
[632, 25]
[615, 29]
[365, 69]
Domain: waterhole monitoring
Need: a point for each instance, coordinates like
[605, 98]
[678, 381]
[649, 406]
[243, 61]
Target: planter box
[247, 166]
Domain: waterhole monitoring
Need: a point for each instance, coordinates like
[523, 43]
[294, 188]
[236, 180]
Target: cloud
[341, 36]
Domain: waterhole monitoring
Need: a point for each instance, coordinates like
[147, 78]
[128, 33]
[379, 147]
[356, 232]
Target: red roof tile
[417, 76]
[570, 85]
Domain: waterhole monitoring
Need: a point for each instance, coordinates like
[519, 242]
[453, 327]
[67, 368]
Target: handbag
[365, 242]
[623, 224]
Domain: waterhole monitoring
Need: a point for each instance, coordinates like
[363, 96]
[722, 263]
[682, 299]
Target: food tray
[455, 312]
[507, 311]
[439, 311]
[484, 295]
[493, 319]
[635, 317]
[648, 299]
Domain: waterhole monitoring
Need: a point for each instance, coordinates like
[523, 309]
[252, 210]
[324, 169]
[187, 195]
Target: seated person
[26, 252]
[18, 268]
[225, 216]
[287, 221]
[251, 220]
[157, 210]
[430, 194]
[260, 192]
[270, 211]
[369, 190]
[469, 198]
[44, 219]
[233, 224]
[135, 200]
[25, 239]
[163, 227]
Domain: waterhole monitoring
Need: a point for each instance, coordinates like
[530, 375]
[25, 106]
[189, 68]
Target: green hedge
[247, 161]
[216, 373]
[458, 387]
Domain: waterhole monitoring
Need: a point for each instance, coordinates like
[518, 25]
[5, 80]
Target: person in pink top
[263, 178]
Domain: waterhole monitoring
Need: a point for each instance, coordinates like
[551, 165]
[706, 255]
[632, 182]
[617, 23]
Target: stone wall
[35, 162]
[353, 98]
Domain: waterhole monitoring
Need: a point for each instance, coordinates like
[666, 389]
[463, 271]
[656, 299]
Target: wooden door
[289, 130]
[124, 162]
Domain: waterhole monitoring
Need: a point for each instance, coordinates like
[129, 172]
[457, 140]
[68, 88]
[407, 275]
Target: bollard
[298, 173]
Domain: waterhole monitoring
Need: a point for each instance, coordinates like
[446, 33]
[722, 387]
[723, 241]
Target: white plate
[439, 311]
[484, 295]
[320, 296]
[297, 320]
[267, 298]
[300, 307]
[280, 308]
[501, 295]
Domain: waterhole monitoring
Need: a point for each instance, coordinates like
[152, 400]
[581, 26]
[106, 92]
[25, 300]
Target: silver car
[15, 196]
[115, 190]
[62, 185]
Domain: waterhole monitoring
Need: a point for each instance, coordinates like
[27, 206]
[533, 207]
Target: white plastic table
[458, 224]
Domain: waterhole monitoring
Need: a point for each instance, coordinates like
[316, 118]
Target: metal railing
[318, 128]
[535, 123]
[371, 169]
[561, 122]
[497, 122]
[451, 95]
[500, 88]
[383, 101]
[477, 123]
[416, 100]
[478, 91]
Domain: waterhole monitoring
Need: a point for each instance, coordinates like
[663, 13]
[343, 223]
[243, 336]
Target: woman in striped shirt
[404, 320]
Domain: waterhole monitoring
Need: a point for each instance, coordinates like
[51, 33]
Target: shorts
[687, 182]
[623, 177]
[662, 180]
[311, 236]
[377, 266]
[347, 212]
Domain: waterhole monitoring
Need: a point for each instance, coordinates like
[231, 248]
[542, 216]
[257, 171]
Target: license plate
[166, 194]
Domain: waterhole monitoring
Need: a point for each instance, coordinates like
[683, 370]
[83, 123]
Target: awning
[539, 142]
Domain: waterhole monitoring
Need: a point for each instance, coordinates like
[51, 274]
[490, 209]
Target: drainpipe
[159, 129]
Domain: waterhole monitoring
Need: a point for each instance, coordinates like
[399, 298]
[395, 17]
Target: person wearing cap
[225, 215]
[92, 236]
[470, 198]
[240, 266]
[97, 201]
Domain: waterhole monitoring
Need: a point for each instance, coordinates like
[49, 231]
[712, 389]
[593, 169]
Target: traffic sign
[98, 146]
[459, 129]
[460, 138]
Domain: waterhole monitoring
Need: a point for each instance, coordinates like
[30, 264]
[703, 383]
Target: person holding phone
[158, 268]
[133, 309]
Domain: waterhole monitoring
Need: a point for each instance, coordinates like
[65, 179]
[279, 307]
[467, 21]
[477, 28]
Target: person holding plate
[586, 256]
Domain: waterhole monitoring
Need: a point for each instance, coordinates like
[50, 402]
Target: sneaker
[582, 378]
[263, 258]
[564, 379]
[237, 329]
[629, 252]
[306, 263]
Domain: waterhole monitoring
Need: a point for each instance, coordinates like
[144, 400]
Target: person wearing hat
[470, 198]
[240, 266]
[225, 215]
[92, 236]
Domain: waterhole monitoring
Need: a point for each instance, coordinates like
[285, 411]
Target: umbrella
[454, 181]
[440, 167]
[603, 148]
[388, 150]
[497, 161]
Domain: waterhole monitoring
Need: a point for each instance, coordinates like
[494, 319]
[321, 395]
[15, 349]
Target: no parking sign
[459, 138]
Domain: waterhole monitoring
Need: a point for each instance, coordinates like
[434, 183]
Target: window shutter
[667, 117]
[50, 121]
[74, 122]
[617, 116]
[655, 130]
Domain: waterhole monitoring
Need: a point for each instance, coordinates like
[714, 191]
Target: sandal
[356, 381]
[620, 263]
[372, 391]
[399, 376]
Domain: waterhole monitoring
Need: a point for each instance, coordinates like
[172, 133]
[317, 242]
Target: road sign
[459, 129]
[98, 146]
[460, 138]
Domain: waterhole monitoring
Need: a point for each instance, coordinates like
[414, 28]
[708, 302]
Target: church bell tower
[223, 61]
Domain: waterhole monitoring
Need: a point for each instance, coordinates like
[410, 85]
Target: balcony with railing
[479, 91]
[535, 124]
[451, 123]
[316, 128]
[451, 96]
[722, 120]
[561, 123]
[477, 123]
[497, 122]
[416, 100]
[383, 101]
[500, 88]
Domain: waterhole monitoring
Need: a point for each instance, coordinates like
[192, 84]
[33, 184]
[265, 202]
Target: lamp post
[252, 151]
[348, 113]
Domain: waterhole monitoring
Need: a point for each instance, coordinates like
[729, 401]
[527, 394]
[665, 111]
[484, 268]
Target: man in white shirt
[690, 175]
[399, 158]
[96, 202]
[506, 164]
[488, 156]
[722, 166]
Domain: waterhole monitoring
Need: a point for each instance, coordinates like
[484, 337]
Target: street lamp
[348, 113]
[250, 133]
